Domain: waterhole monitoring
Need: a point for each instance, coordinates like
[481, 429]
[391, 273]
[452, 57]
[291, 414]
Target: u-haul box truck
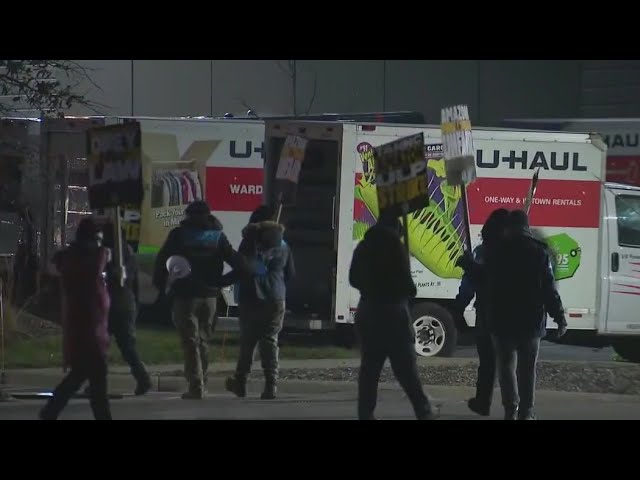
[593, 227]
[184, 159]
[621, 135]
[219, 160]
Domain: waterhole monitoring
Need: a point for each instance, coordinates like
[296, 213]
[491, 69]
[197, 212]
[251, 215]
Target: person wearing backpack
[261, 294]
[199, 239]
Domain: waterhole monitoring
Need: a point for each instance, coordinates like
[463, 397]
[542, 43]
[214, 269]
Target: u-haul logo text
[524, 160]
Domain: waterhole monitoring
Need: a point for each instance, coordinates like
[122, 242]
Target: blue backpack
[260, 262]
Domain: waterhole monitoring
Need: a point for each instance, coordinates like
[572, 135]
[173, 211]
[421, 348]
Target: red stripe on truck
[624, 169]
[557, 203]
[234, 189]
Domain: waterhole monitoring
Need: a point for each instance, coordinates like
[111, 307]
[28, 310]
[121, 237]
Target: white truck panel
[571, 166]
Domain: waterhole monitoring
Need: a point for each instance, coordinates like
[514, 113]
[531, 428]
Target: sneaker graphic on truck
[437, 233]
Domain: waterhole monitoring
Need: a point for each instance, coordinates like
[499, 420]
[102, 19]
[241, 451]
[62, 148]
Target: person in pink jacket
[85, 309]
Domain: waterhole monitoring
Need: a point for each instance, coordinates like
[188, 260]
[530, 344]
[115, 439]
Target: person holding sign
[261, 298]
[380, 271]
[492, 233]
[122, 314]
[520, 292]
[85, 335]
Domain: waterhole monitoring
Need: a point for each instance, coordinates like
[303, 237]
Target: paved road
[554, 351]
[328, 401]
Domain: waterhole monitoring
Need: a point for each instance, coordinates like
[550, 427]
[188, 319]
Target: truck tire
[627, 348]
[435, 330]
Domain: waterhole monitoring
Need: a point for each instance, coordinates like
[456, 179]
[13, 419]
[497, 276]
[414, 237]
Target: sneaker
[235, 386]
[511, 413]
[478, 408]
[531, 415]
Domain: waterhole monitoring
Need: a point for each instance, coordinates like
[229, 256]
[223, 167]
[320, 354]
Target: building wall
[610, 88]
[493, 89]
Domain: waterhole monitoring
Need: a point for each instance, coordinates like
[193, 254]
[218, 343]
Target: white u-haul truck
[593, 227]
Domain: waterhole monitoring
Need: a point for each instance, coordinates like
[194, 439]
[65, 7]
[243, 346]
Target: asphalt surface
[554, 351]
[327, 401]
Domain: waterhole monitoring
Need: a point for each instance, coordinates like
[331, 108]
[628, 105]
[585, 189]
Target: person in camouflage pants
[199, 239]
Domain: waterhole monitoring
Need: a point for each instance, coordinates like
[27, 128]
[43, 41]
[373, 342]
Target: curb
[170, 379]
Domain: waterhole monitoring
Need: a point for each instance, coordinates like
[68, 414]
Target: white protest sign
[291, 158]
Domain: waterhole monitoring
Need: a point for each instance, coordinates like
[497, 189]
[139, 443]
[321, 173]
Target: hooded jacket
[269, 264]
[380, 267]
[199, 239]
[520, 288]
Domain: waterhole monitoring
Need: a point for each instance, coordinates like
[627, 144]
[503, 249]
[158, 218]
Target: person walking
[199, 239]
[123, 311]
[85, 306]
[492, 233]
[380, 270]
[520, 293]
[261, 299]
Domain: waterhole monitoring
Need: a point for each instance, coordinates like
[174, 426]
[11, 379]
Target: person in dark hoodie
[493, 232]
[199, 239]
[122, 314]
[520, 293]
[380, 270]
[261, 294]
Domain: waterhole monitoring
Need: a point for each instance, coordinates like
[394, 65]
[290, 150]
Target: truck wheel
[627, 348]
[436, 333]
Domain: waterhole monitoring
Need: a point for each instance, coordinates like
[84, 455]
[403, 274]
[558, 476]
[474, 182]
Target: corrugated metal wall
[610, 88]
[493, 89]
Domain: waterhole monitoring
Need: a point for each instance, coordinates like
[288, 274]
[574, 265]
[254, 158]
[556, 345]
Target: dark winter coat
[380, 268]
[201, 241]
[268, 261]
[519, 287]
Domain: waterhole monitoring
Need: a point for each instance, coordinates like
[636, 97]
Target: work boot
[476, 407]
[197, 391]
[236, 385]
[194, 395]
[143, 386]
[270, 390]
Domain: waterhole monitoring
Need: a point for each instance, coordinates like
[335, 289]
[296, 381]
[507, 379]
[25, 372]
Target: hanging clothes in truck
[170, 188]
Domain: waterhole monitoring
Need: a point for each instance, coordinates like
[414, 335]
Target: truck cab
[620, 265]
